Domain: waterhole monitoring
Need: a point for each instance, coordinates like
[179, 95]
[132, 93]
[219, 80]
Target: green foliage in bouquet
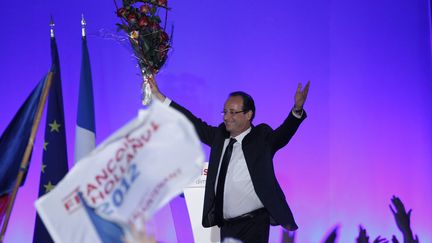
[142, 24]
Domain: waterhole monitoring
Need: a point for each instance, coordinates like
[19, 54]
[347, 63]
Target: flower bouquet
[150, 42]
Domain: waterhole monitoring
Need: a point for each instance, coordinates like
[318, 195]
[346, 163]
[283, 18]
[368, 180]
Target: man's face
[235, 121]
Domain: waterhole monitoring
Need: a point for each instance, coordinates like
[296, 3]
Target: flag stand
[25, 159]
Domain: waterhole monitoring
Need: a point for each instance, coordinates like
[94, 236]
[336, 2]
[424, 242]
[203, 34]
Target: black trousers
[252, 227]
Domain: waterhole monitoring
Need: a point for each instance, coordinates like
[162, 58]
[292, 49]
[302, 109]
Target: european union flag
[54, 158]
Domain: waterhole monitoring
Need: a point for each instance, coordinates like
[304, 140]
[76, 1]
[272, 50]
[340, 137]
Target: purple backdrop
[368, 135]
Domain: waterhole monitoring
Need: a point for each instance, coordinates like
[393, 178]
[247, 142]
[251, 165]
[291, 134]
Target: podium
[194, 195]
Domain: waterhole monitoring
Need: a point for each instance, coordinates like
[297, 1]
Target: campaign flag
[85, 129]
[54, 157]
[128, 177]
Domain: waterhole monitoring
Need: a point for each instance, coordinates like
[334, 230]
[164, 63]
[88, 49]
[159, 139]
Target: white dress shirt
[239, 194]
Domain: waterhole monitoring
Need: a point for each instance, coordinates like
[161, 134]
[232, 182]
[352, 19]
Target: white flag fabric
[128, 177]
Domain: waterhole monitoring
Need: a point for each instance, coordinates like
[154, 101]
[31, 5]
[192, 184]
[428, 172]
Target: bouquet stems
[146, 94]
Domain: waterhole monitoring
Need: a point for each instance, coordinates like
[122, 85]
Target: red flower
[164, 36]
[145, 8]
[143, 21]
[162, 2]
[121, 12]
[132, 18]
[155, 26]
[162, 51]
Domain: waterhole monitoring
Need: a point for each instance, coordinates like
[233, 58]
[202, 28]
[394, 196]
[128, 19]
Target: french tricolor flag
[85, 130]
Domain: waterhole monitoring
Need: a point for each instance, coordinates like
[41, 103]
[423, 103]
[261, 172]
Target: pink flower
[132, 18]
[143, 21]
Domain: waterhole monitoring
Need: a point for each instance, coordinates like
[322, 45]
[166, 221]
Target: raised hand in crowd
[380, 240]
[331, 238]
[288, 236]
[140, 236]
[402, 219]
[362, 237]
[394, 239]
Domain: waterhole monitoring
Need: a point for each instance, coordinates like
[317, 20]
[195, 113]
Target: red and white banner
[128, 177]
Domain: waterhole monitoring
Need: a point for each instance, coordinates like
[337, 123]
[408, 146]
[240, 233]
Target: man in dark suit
[242, 195]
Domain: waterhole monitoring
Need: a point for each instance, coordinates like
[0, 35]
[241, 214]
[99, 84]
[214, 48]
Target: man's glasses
[232, 113]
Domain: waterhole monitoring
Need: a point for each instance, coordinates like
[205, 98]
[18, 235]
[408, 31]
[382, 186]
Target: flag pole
[83, 26]
[25, 159]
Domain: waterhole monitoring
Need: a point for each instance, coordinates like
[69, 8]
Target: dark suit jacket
[259, 147]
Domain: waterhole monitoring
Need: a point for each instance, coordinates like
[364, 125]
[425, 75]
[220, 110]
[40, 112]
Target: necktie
[221, 182]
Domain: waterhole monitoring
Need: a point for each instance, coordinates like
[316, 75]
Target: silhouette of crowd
[402, 219]
[397, 208]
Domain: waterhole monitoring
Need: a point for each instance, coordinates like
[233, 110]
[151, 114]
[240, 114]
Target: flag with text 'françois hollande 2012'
[128, 177]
